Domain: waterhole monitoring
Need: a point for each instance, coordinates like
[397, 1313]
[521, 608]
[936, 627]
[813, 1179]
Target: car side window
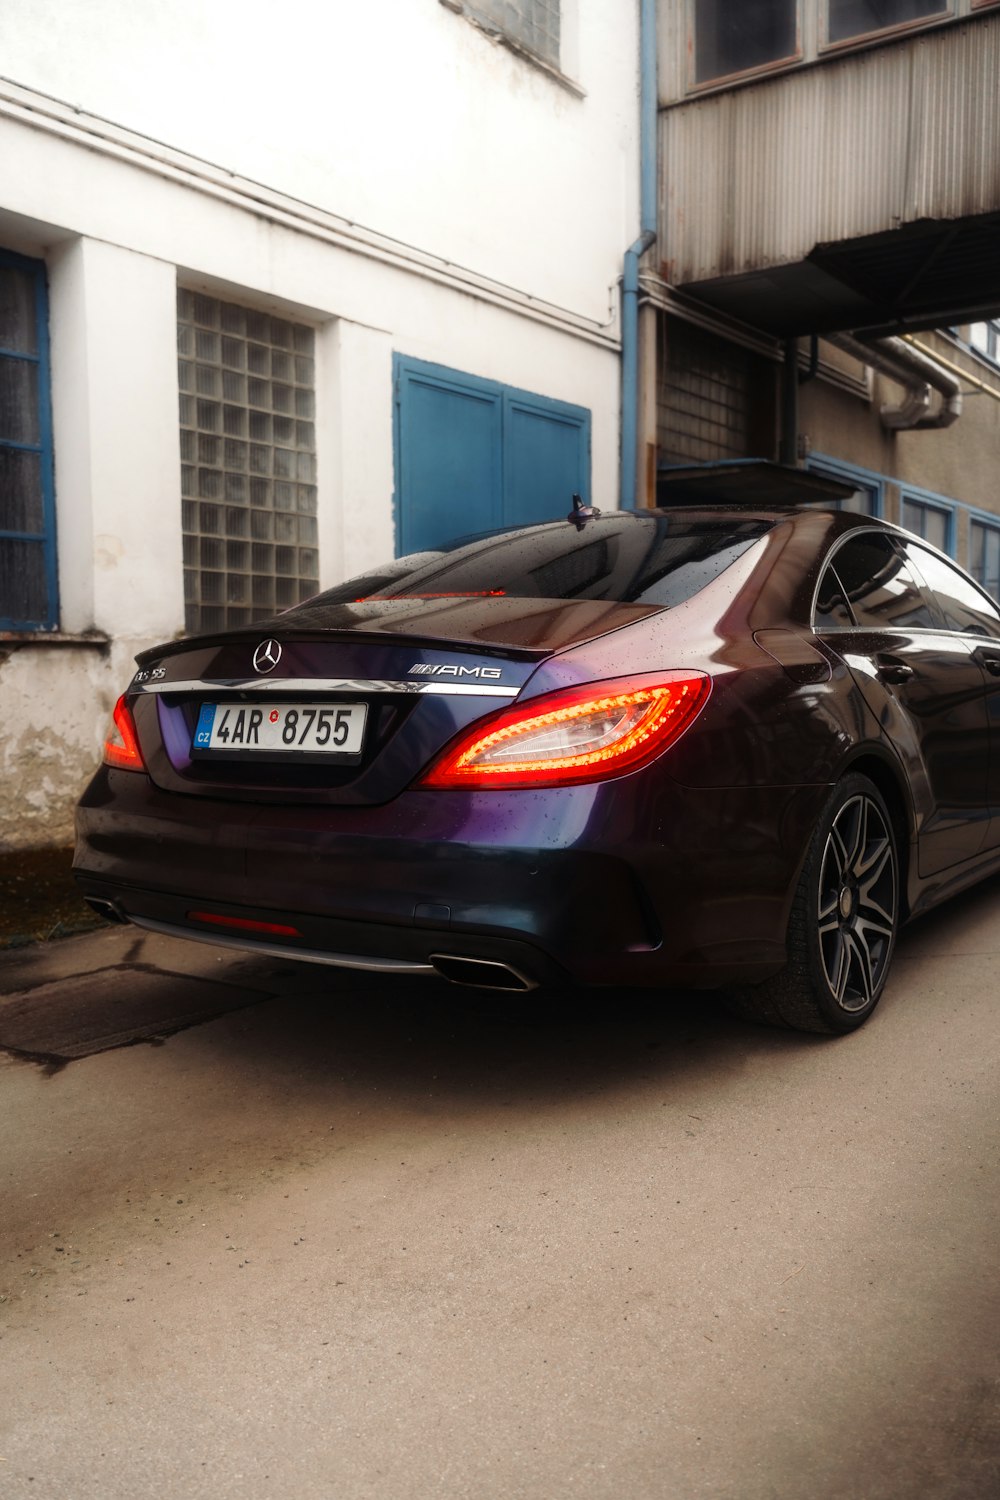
[963, 605]
[832, 608]
[882, 589]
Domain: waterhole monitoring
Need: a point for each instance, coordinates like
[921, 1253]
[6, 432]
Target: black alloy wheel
[856, 903]
[844, 920]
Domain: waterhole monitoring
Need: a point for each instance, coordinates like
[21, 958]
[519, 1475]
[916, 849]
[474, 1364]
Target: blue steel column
[648, 101]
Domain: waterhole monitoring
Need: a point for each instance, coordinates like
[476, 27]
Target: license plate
[313, 728]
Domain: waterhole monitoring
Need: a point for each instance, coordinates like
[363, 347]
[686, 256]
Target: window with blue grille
[984, 555]
[28, 588]
[933, 521]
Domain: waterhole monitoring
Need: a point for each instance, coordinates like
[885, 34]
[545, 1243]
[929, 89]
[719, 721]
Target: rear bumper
[381, 948]
[583, 885]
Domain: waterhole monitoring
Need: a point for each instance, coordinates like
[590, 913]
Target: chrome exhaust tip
[480, 973]
[107, 909]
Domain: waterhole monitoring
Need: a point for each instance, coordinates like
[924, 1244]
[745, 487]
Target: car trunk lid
[408, 675]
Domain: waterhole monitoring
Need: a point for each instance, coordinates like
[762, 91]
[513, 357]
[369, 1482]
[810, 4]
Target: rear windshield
[657, 560]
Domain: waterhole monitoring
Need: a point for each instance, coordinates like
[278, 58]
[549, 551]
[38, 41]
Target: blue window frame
[930, 517]
[984, 553]
[985, 339]
[867, 497]
[28, 578]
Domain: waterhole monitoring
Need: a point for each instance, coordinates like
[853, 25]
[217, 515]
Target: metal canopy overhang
[756, 482]
[930, 274]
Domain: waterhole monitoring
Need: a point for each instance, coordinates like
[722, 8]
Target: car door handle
[894, 671]
[991, 663]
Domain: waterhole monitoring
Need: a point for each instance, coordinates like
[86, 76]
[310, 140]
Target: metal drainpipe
[918, 373]
[630, 272]
[788, 448]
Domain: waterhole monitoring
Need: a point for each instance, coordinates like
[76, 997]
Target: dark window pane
[927, 521]
[19, 401]
[20, 491]
[985, 542]
[831, 603]
[733, 35]
[24, 594]
[859, 17]
[17, 311]
[964, 607]
[25, 459]
[881, 588]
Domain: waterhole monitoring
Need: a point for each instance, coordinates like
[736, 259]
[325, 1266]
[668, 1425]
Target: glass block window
[533, 23]
[248, 462]
[984, 556]
[28, 598]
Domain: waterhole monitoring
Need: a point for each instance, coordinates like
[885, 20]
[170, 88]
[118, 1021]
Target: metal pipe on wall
[917, 372]
[788, 447]
[630, 456]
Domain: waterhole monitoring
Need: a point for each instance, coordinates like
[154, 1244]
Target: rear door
[922, 681]
[973, 615]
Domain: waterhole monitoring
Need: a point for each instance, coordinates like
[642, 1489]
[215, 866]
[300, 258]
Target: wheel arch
[891, 783]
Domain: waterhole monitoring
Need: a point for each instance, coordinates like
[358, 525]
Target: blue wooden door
[546, 459]
[472, 454]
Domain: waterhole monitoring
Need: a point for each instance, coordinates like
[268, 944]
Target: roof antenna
[581, 514]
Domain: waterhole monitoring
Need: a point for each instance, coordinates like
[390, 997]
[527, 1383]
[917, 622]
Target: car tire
[843, 923]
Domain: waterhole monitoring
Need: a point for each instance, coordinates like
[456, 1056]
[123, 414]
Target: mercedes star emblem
[266, 656]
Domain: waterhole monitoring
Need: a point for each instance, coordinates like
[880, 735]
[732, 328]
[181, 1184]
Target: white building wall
[399, 115]
[113, 313]
[385, 173]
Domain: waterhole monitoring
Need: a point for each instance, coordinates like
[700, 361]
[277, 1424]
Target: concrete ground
[341, 1239]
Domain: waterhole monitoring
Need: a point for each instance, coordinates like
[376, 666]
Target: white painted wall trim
[55, 118]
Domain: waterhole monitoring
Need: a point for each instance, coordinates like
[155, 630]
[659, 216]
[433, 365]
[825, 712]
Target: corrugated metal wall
[758, 176]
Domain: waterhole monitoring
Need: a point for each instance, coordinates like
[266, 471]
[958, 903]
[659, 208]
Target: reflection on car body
[712, 745]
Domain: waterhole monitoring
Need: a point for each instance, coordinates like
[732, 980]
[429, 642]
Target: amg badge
[429, 669]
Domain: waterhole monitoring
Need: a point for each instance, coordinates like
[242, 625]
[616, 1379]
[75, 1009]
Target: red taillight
[121, 748]
[581, 734]
[244, 924]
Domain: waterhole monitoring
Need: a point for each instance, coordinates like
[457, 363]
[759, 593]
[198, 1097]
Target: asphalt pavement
[268, 1229]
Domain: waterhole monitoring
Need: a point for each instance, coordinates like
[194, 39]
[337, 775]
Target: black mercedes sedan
[711, 745]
